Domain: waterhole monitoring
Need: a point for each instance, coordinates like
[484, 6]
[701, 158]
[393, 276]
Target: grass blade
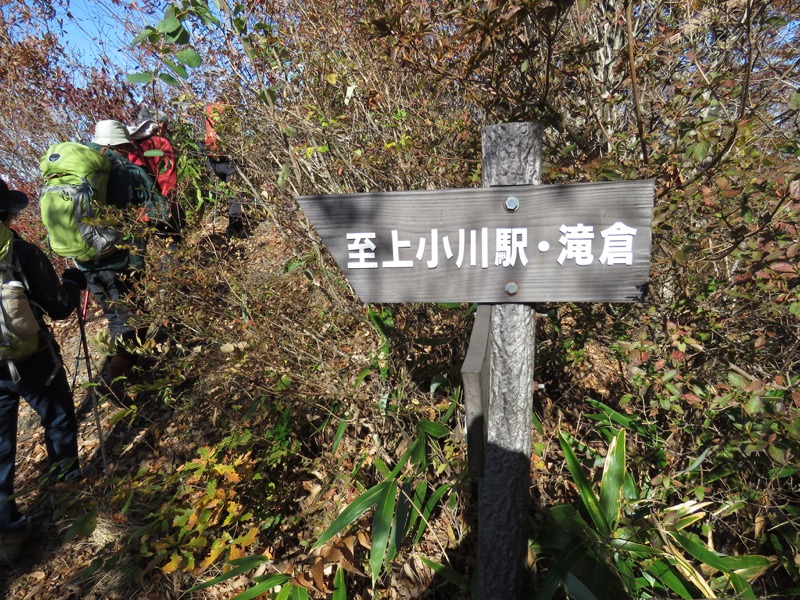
[558, 572]
[429, 506]
[353, 512]
[339, 585]
[587, 496]
[284, 594]
[447, 573]
[417, 501]
[260, 588]
[412, 450]
[634, 547]
[337, 438]
[748, 567]
[613, 477]
[706, 556]
[686, 569]
[578, 590]
[299, 593]
[381, 528]
[401, 517]
[239, 566]
[663, 572]
[434, 429]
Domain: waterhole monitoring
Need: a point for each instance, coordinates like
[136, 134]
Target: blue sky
[94, 31]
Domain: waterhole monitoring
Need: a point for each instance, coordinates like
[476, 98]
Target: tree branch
[634, 83]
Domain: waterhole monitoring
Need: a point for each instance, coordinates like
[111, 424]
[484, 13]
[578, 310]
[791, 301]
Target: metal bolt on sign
[511, 204]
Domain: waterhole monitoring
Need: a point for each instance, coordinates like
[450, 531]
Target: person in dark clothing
[40, 379]
[112, 278]
[222, 165]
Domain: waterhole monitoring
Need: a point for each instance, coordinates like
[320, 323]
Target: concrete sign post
[504, 246]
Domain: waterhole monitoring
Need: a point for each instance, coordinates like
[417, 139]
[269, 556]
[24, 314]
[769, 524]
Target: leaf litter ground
[75, 524]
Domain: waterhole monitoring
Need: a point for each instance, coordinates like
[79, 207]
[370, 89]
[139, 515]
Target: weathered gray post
[507, 245]
[511, 156]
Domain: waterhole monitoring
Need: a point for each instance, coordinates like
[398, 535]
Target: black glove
[73, 276]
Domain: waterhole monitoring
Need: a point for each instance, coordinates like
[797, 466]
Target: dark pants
[54, 405]
[112, 290]
[222, 166]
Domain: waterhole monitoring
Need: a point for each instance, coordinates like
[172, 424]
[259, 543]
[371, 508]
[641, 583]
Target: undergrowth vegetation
[288, 441]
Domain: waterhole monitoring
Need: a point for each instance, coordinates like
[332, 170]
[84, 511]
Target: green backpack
[19, 327]
[74, 192]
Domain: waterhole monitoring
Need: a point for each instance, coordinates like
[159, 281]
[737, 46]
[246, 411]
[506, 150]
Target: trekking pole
[81, 314]
[84, 343]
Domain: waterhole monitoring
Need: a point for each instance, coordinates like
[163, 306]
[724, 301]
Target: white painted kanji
[577, 242]
[433, 262]
[618, 247]
[362, 250]
[397, 245]
[510, 244]
[472, 247]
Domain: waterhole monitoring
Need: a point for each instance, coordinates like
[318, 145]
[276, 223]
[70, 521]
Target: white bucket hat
[143, 130]
[111, 133]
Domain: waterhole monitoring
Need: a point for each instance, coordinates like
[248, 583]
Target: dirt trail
[65, 540]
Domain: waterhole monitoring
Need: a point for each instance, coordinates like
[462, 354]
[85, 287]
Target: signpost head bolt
[511, 289]
[511, 204]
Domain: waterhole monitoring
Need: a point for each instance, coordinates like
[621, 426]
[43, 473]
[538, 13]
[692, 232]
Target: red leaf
[782, 267]
[692, 399]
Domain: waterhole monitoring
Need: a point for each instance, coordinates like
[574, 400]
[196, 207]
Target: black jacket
[50, 296]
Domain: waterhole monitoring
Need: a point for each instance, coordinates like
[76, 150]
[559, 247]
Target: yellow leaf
[247, 539]
[331, 78]
[228, 472]
[216, 549]
[234, 508]
[173, 564]
[235, 552]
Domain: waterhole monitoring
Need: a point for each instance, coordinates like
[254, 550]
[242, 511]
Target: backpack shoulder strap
[8, 263]
[12, 265]
[16, 268]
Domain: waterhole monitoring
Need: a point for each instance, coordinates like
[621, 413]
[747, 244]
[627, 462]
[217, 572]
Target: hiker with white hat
[112, 278]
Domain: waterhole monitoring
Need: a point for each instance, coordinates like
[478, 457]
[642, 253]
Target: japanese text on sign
[577, 244]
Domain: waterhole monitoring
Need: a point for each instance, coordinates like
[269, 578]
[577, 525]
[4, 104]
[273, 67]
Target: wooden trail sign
[586, 242]
[504, 246]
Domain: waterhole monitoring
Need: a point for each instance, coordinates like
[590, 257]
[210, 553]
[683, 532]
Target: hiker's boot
[236, 224]
[13, 538]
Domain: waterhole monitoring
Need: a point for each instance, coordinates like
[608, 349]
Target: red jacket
[213, 113]
[163, 167]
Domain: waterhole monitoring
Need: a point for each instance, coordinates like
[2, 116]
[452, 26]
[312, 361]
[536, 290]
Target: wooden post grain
[511, 156]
